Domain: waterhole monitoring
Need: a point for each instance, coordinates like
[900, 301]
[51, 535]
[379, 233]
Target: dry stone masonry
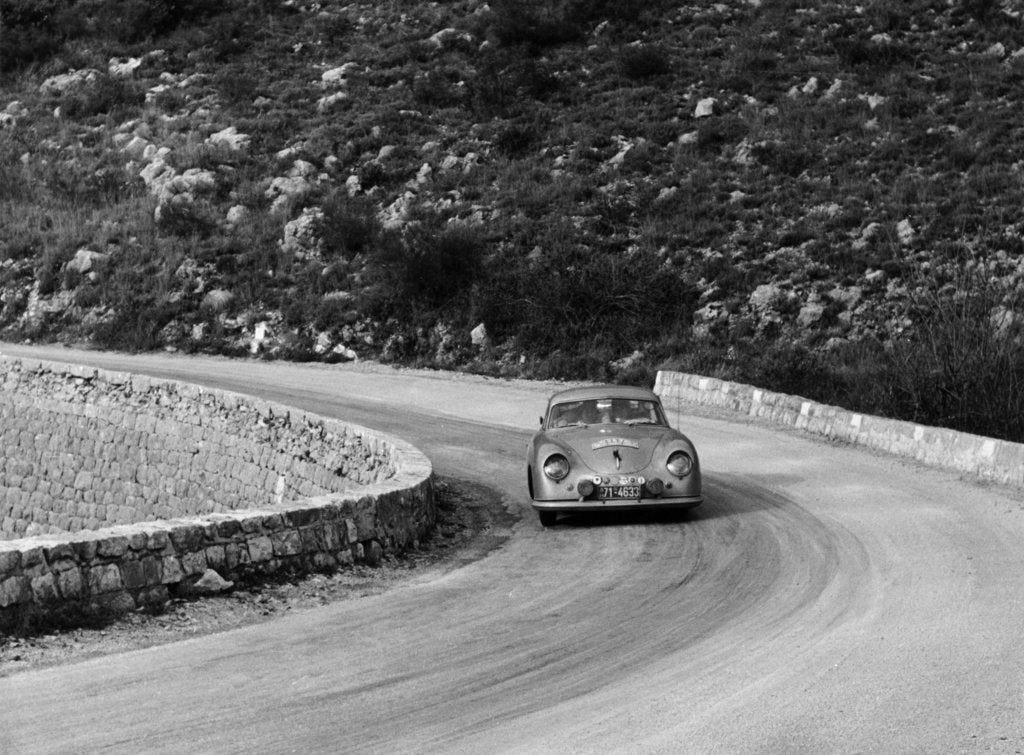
[988, 458]
[118, 491]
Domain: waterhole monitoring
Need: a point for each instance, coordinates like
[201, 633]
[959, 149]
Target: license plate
[617, 492]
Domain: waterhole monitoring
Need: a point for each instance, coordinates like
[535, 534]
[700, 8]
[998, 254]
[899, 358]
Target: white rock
[666, 193]
[123, 67]
[327, 102]
[302, 235]
[302, 168]
[811, 86]
[66, 82]
[765, 296]
[619, 157]
[237, 215]
[322, 343]
[260, 333]
[386, 151]
[998, 50]
[136, 147]
[447, 36]
[230, 137]
[86, 261]
[705, 107]
[810, 314]
[873, 100]
[335, 77]
[284, 190]
[905, 232]
[875, 277]
[478, 335]
[211, 583]
[870, 231]
[153, 173]
[394, 215]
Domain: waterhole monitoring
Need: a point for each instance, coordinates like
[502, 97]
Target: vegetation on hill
[820, 198]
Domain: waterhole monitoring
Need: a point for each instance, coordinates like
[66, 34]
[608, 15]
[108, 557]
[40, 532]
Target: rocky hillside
[822, 197]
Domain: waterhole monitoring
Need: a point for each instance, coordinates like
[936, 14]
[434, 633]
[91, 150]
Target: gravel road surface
[823, 599]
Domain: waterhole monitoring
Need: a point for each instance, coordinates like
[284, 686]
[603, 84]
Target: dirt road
[823, 599]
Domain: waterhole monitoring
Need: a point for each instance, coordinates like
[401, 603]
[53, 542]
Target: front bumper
[595, 504]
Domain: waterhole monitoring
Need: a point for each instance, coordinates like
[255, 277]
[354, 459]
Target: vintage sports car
[609, 447]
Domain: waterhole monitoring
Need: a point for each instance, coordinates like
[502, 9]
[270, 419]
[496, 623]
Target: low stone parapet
[137, 486]
[987, 458]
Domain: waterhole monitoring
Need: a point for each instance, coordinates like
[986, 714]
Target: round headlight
[680, 464]
[556, 467]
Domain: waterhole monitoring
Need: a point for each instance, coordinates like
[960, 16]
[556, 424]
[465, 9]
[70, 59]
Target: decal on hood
[608, 442]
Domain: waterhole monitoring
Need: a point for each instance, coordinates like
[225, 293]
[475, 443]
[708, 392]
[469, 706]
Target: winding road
[823, 599]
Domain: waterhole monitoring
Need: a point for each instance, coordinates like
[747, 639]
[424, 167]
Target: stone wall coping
[986, 458]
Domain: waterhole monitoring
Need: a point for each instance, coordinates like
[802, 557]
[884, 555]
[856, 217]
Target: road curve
[824, 599]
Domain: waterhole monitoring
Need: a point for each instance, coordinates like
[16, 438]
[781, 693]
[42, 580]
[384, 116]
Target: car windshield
[606, 411]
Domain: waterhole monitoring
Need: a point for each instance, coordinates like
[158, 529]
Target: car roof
[583, 393]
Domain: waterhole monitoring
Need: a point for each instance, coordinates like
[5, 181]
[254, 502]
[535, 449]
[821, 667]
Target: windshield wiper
[640, 422]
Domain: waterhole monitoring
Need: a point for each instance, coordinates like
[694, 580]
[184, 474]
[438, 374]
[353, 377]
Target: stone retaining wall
[987, 458]
[118, 491]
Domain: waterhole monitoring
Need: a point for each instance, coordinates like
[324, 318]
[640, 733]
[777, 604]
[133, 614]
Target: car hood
[614, 448]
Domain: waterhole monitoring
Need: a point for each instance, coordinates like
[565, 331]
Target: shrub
[433, 89]
[426, 268]
[32, 31]
[349, 226]
[961, 367]
[106, 95]
[644, 61]
[537, 23]
[504, 83]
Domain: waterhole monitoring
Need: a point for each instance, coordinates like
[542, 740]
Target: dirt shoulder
[471, 523]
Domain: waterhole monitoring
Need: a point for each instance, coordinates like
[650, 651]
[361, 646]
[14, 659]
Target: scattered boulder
[10, 114]
[905, 232]
[211, 583]
[446, 36]
[326, 102]
[810, 314]
[337, 77]
[86, 262]
[478, 336]
[765, 297]
[705, 107]
[231, 138]
[302, 235]
[237, 216]
[286, 190]
[71, 81]
[123, 68]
